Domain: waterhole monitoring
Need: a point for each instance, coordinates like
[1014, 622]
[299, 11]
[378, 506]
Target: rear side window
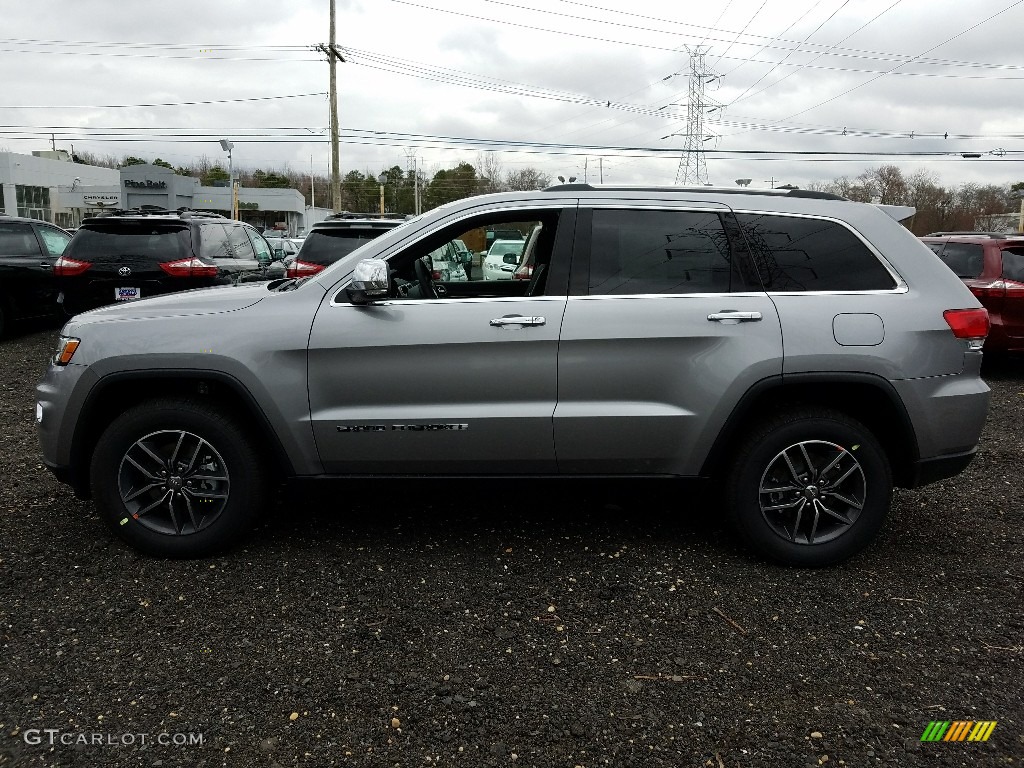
[54, 240]
[1013, 264]
[967, 260]
[660, 252]
[263, 252]
[795, 253]
[18, 240]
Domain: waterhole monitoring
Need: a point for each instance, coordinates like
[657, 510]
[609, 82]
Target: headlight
[66, 347]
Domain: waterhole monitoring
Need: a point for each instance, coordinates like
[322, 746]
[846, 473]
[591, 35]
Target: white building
[43, 185]
[49, 186]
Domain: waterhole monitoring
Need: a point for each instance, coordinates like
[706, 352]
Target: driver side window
[485, 257]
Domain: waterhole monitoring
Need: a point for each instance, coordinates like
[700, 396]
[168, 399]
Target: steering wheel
[427, 289]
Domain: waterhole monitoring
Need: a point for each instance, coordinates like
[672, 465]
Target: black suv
[135, 254]
[337, 236]
[28, 250]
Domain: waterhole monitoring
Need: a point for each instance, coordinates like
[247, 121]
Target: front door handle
[731, 317]
[518, 320]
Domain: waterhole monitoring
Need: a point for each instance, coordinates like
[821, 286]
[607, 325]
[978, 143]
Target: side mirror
[369, 282]
[278, 254]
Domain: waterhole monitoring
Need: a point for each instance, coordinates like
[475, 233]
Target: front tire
[810, 487]
[177, 478]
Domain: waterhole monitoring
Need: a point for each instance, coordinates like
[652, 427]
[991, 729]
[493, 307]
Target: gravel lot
[423, 630]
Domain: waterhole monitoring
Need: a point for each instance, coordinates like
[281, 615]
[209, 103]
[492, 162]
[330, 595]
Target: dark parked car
[991, 264]
[28, 250]
[137, 254]
[335, 237]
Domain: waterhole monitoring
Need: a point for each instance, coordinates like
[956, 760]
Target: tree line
[939, 208]
[361, 190]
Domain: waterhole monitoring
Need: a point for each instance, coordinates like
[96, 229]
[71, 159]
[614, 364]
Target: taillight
[65, 267]
[435, 275]
[993, 289]
[189, 268]
[968, 323]
[302, 269]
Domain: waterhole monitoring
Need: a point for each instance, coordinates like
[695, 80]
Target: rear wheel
[177, 478]
[809, 487]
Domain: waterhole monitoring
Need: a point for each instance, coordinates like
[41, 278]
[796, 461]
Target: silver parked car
[805, 352]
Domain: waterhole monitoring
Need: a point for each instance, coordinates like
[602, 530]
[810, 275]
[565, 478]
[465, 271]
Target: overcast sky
[586, 89]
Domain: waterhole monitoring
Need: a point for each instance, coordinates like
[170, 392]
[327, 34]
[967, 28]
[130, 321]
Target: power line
[162, 104]
[939, 45]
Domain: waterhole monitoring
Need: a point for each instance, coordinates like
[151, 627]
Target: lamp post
[383, 179]
[227, 146]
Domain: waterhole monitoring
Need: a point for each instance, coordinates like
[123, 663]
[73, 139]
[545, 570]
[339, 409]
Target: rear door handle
[731, 317]
[518, 320]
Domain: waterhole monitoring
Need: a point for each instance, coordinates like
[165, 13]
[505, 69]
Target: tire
[810, 487]
[177, 478]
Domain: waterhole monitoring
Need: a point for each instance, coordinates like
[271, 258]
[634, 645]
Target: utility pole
[333, 57]
[410, 157]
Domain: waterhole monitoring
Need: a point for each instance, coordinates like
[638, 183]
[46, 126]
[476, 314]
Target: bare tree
[527, 179]
[489, 172]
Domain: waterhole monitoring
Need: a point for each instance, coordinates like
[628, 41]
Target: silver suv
[805, 352]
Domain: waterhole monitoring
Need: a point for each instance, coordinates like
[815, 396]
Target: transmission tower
[693, 167]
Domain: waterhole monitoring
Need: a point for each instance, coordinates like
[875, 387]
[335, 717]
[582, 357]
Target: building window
[33, 202]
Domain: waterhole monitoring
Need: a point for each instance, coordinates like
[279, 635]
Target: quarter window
[214, 242]
[665, 252]
[1013, 264]
[967, 260]
[241, 248]
[807, 254]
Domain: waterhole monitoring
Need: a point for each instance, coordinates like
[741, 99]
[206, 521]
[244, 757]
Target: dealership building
[50, 187]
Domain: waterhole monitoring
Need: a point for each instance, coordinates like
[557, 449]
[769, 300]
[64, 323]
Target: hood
[201, 301]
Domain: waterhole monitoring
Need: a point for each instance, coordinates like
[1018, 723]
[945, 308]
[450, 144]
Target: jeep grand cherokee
[805, 352]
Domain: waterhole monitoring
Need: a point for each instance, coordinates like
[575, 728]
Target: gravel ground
[418, 630]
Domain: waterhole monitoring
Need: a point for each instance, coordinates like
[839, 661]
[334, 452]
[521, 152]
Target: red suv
[991, 264]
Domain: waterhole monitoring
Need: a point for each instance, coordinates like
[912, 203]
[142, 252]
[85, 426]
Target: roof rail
[793, 192]
[188, 213]
[352, 215]
[964, 233]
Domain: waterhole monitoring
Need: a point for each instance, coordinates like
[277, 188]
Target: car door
[462, 385]
[666, 327]
[26, 269]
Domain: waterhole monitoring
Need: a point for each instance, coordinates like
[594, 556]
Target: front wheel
[810, 488]
[177, 478]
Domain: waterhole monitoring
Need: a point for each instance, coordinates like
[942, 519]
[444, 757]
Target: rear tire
[177, 478]
[810, 487]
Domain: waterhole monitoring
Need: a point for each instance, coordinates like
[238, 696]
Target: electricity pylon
[693, 167]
